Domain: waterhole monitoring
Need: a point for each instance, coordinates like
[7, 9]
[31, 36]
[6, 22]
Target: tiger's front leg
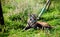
[27, 27]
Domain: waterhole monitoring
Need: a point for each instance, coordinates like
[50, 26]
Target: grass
[15, 22]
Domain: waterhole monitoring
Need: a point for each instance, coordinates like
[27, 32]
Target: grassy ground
[16, 19]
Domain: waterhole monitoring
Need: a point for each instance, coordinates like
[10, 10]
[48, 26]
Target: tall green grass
[16, 14]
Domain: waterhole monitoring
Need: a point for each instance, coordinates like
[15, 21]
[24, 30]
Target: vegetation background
[16, 12]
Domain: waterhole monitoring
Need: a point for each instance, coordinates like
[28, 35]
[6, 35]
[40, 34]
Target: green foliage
[15, 23]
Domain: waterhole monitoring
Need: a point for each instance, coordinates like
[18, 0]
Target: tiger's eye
[30, 19]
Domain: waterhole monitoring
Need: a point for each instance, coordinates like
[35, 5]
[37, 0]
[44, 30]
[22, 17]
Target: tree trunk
[1, 15]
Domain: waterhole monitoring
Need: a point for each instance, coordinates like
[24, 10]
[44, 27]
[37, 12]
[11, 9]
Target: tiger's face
[32, 19]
